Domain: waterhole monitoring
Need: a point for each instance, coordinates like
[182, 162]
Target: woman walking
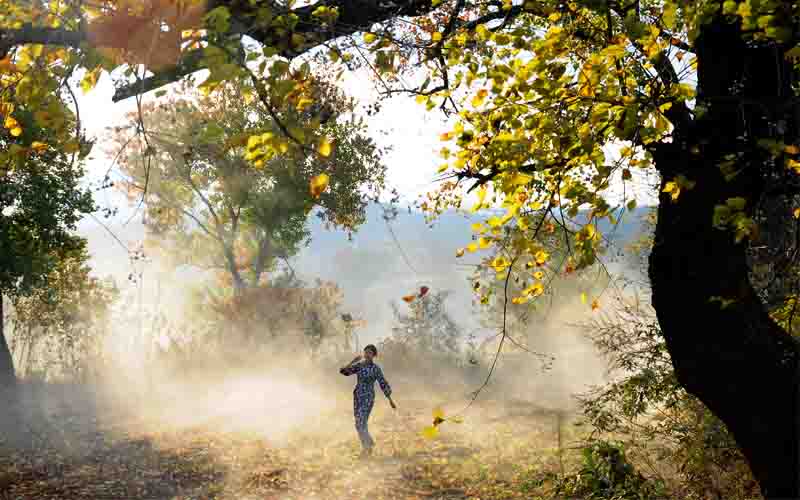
[367, 373]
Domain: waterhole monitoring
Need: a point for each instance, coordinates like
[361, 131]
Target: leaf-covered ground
[497, 453]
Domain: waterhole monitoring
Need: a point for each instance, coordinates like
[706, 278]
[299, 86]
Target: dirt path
[495, 453]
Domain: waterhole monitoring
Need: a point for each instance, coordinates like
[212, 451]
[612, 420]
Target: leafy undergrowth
[499, 452]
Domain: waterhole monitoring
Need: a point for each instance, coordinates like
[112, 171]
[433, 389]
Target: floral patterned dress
[367, 374]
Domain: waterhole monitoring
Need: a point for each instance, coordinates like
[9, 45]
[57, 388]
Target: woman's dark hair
[372, 348]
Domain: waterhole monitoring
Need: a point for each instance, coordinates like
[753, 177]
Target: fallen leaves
[317, 462]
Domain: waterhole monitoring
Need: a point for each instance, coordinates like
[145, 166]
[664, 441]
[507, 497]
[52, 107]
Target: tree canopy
[206, 205]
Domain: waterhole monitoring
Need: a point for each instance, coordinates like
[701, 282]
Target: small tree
[60, 328]
[428, 326]
[206, 204]
[41, 202]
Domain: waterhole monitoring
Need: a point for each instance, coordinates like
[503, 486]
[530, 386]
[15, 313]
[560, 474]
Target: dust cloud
[168, 383]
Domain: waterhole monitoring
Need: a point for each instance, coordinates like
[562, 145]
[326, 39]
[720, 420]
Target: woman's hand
[394, 406]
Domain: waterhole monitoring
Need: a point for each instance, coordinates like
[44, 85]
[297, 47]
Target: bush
[663, 426]
[606, 473]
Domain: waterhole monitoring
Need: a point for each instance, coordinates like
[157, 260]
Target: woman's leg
[362, 409]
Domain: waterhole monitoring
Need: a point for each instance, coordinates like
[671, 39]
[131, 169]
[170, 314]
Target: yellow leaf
[409, 298]
[583, 298]
[595, 305]
[430, 432]
[481, 197]
[478, 228]
[494, 221]
[38, 146]
[437, 37]
[71, 147]
[6, 66]
[484, 243]
[500, 263]
[438, 413]
[797, 213]
[370, 37]
[472, 247]
[325, 147]
[793, 53]
[460, 252]
[538, 275]
[541, 257]
[534, 290]
[319, 184]
[479, 98]
[89, 80]
[16, 131]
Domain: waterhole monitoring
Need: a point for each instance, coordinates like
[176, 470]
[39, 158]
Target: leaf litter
[490, 456]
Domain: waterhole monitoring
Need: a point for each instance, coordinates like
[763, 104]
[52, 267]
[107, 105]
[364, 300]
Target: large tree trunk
[735, 359]
[7, 378]
[264, 255]
[230, 259]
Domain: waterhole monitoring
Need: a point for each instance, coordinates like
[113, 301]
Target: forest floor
[498, 452]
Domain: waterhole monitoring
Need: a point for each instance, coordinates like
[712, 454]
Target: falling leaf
[409, 298]
[438, 413]
[797, 213]
[430, 432]
[319, 184]
[595, 305]
[583, 298]
[423, 290]
[460, 252]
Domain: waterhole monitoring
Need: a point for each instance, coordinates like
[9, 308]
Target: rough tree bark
[735, 359]
[7, 377]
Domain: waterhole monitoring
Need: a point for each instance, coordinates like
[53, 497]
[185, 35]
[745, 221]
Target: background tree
[41, 201]
[206, 204]
[59, 329]
[427, 326]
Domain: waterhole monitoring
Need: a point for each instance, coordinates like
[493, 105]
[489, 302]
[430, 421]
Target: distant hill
[373, 270]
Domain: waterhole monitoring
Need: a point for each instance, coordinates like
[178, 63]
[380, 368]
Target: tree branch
[30, 34]
[191, 62]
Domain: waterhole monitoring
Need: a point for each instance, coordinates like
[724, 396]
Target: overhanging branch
[189, 63]
[40, 35]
